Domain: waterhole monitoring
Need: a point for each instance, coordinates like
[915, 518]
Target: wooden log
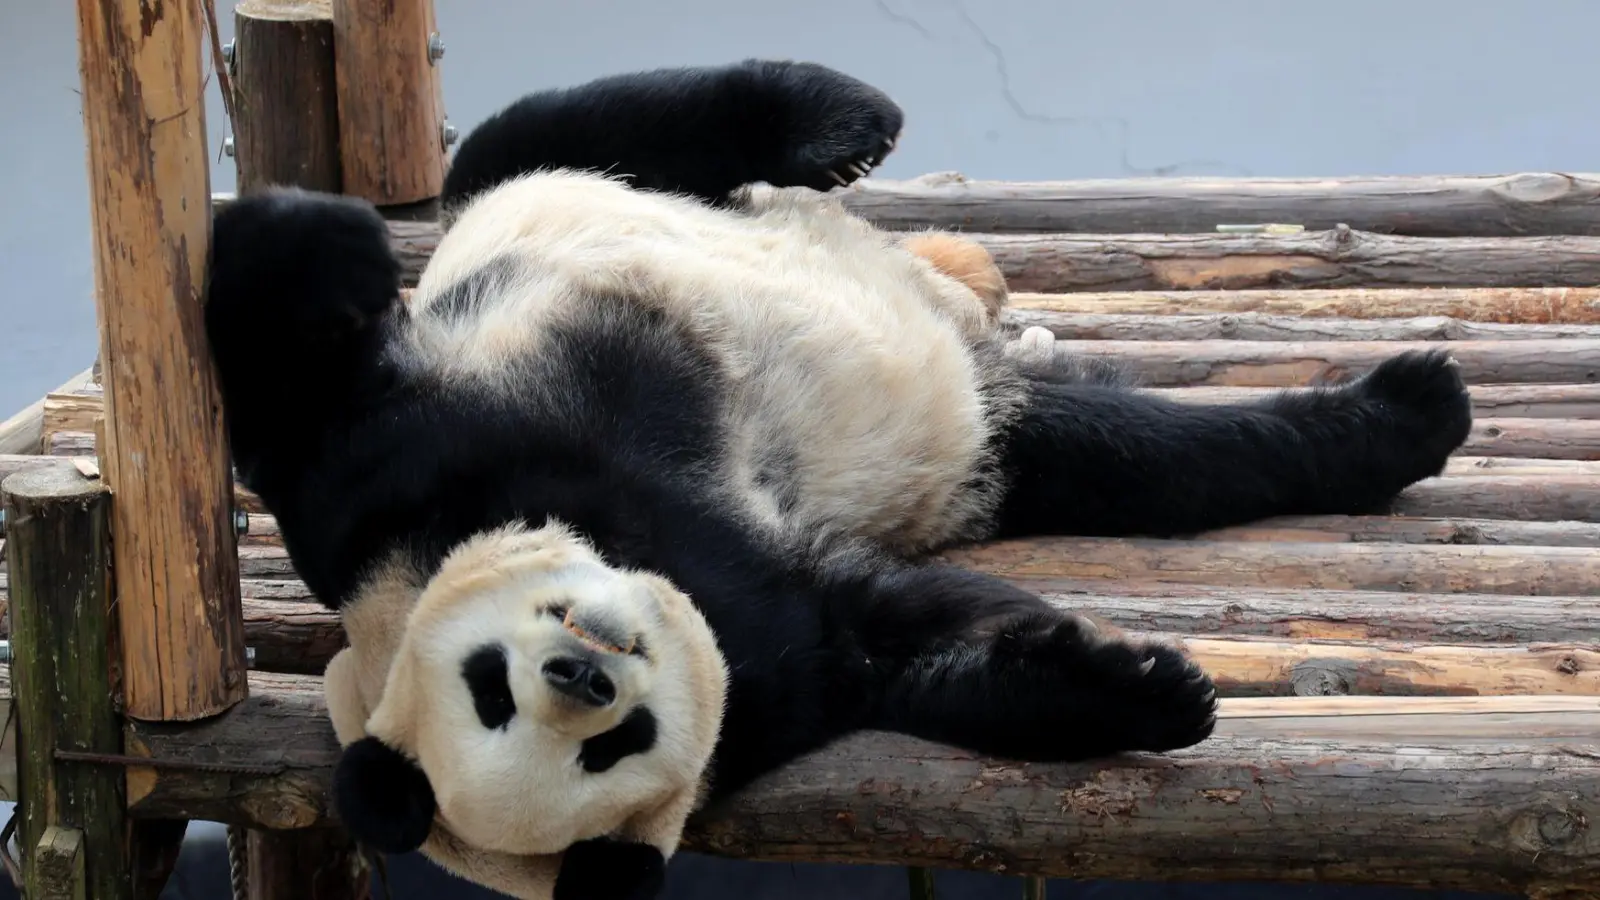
[1478, 793]
[286, 130]
[1528, 203]
[390, 125]
[1489, 569]
[64, 645]
[1527, 401]
[1525, 498]
[315, 863]
[24, 431]
[1063, 263]
[61, 865]
[1461, 466]
[1510, 306]
[70, 411]
[1265, 327]
[1574, 439]
[1301, 363]
[166, 452]
[1386, 530]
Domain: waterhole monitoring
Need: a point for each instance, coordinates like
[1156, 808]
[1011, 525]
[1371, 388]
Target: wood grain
[1528, 401]
[305, 864]
[1527, 203]
[1096, 326]
[166, 452]
[1503, 305]
[286, 129]
[1489, 794]
[389, 119]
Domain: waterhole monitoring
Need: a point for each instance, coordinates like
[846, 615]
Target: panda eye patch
[487, 677]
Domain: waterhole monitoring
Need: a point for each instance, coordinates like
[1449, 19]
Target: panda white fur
[630, 503]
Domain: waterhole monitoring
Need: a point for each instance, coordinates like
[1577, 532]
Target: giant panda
[637, 496]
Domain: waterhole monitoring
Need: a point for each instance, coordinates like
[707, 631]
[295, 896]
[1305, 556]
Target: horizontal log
[1574, 439]
[1527, 401]
[1061, 263]
[1507, 305]
[1527, 498]
[1303, 363]
[1064, 263]
[23, 431]
[1459, 466]
[1264, 327]
[1488, 568]
[1479, 793]
[1407, 530]
[1530, 203]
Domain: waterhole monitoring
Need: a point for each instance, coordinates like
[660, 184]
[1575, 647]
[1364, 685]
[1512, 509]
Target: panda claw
[843, 182]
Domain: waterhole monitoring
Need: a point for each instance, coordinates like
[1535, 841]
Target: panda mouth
[597, 634]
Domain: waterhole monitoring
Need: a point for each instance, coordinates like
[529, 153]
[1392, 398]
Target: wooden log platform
[1409, 698]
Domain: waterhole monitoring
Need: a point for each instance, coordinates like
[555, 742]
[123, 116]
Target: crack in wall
[1120, 126]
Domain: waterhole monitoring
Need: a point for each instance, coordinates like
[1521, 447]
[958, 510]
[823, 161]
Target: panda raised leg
[1094, 458]
[703, 131]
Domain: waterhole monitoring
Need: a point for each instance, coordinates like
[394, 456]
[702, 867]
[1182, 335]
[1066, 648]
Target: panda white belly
[857, 398]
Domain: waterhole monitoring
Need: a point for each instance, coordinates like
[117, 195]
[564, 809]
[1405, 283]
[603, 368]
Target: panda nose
[581, 680]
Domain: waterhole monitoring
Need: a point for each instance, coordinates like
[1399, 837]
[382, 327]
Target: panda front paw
[299, 265]
[610, 869]
[1418, 412]
[834, 129]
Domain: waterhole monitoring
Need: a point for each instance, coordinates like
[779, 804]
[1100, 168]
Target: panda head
[528, 697]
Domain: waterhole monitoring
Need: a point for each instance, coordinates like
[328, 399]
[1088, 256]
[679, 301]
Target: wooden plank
[1412, 568]
[305, 864]
[1095, 326]
[58, 548]
[1532, 203]
[1505, 305]
[23, 432]
[1488, 797]
[286, 130]
[166, 450]
[1389, 529]
[390, 135]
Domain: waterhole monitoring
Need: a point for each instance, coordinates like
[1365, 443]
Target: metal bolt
[5, 651]
[2, 523]
[435, 47]
[228, 56]
[450, 134]
[250, 657]
[227, 145]
[241, 521]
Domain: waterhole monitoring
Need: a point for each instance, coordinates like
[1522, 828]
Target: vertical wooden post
[286, 124]
[390, 126]
[165, 455]
[63, 658]
[306, 864]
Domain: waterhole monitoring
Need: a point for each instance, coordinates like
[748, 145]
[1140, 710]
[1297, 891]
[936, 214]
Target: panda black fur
[652, 437]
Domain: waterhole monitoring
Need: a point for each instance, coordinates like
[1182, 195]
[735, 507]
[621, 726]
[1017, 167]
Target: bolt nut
[5, 651]
[435, 47]
[2, 522]
[250, 657]
[227, 145]
[241, 521]
[450, 134]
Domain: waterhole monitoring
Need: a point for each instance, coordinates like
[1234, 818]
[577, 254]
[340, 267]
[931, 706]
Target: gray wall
[1018, 90]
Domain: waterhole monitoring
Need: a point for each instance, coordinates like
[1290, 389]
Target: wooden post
[286, 128]
[390, 127]
[62, 672]
[306, 864]
[165, 455]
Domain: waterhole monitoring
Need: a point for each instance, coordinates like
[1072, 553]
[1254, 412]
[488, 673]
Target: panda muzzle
[599, 634]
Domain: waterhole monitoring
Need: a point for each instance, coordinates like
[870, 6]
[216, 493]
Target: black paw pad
[610, 869]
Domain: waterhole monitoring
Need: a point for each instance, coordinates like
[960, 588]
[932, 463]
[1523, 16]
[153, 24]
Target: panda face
[548, 697]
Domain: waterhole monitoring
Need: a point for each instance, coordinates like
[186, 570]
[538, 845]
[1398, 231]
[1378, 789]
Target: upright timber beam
[286, 127]
[391, 124]
[165, 454]
[74, 831]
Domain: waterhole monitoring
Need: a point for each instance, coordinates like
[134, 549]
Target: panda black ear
[384, 799]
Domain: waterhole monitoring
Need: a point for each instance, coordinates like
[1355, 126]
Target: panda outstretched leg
[1098, 459]
[703, 131]
[977, 663]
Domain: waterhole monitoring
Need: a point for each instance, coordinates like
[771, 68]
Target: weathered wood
[286, 130]
[1529, 203]
[390, 125]
[64, 668]
[305, 864]
[1527, 401]
[1264, 327]
[1575, 439]
[1487, 568]
[24, 431]
[1459, 466]
[1389, 530]
[166, 452]
[1483, 793]
[61, 865]
[1526, 498]
[1509, 305]
[1302, 363]
[1063, 263]
[70, 411]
